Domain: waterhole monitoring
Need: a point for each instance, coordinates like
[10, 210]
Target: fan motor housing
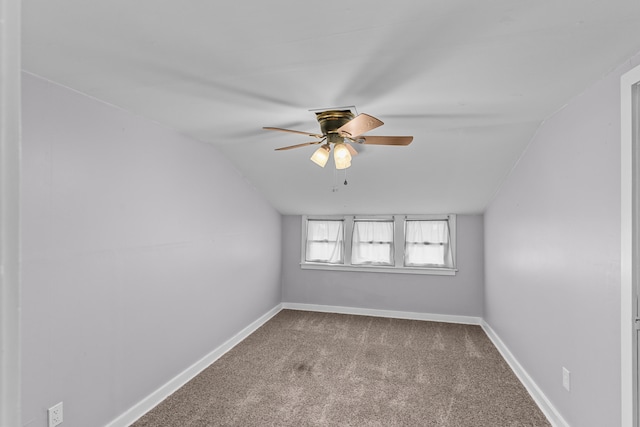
[330, 121]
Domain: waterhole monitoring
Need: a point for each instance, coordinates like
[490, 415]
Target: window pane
[419, 254]
[427, 244]
[325, 241]
[372, 242]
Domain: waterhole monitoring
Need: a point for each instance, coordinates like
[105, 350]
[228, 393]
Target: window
[372, 242]
[418, 244]
[426, 244]
[325, 241]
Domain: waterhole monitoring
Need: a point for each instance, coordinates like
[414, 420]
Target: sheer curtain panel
[325, 241]
[427, 243]
[372, 243]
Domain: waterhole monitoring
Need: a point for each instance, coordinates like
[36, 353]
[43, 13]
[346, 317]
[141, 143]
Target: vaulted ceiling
[470, 80]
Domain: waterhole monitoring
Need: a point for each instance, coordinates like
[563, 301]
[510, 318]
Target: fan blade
[352, 150]
[385, 140]
[314, 135]
[362, 123]
[299, 145]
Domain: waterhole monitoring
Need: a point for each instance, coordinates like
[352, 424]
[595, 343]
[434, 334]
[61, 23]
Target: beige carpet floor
[319, 369]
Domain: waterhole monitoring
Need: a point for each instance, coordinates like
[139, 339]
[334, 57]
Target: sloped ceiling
[470, 80]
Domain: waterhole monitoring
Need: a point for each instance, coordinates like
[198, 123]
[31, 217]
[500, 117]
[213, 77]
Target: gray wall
[143, 251]
[552, 286]
[460, 295]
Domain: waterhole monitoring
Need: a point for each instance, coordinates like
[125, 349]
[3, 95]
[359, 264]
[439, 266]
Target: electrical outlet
[55, 415]
[566, 378]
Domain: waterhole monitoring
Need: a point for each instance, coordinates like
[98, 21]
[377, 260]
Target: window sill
[380, 269]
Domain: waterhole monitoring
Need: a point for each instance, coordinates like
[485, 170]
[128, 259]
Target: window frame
[398, 245]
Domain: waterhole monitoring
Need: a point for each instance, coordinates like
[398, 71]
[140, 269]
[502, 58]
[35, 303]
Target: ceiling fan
[342, 128]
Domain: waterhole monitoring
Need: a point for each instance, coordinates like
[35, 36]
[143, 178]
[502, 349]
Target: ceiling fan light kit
[341, 128]
[341, 156]
[321, 155]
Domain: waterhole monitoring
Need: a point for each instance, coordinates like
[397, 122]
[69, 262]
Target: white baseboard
[151, 401]
[468, 320]
[536, 393]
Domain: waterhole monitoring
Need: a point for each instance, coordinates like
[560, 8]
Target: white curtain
[325, 241]
[372, 243]
[427, 244]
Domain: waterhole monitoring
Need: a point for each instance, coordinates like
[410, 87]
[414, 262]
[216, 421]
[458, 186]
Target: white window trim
[399, 230]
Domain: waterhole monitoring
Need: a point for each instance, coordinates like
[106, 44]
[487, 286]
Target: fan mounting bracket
[351, 108]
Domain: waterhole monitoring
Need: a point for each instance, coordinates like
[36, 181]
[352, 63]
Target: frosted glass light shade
[321, 155]
[342, 156]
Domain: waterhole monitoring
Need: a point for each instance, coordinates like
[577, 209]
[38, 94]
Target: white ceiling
[470, 80]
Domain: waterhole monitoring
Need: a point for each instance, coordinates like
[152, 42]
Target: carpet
[321, 369]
